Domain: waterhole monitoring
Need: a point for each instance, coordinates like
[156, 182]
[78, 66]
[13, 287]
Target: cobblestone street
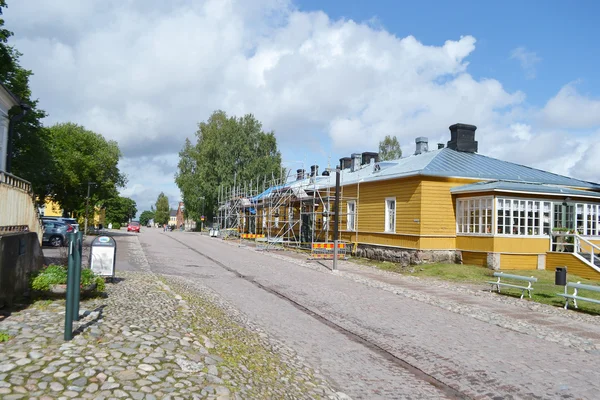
[197, 317]
[151, 338]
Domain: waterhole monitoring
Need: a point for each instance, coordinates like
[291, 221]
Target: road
[372, 343]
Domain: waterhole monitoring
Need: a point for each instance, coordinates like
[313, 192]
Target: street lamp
[87, 202]
[336, 213]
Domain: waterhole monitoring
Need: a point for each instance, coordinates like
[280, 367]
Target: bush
[51, 275]
[116, 225]
[57, 275]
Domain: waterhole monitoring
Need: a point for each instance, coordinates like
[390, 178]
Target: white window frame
[475, 216]
[390, 228]
[351, 215]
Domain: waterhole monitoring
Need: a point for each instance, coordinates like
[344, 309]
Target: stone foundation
[406, 257]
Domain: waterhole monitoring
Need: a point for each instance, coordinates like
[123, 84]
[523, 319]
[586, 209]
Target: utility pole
[87, 203]
[336, 226]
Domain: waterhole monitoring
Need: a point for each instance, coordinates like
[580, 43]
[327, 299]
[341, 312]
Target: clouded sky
[329, 77]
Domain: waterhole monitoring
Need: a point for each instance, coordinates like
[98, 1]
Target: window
[390, 214]
[351, 215]
[523, 217]
[474, 216]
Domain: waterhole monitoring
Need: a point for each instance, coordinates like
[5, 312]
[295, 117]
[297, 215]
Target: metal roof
[453, 163]
[444, 163]
[519, 187]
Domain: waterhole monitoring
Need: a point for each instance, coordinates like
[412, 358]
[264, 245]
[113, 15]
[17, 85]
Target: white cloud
[570, 110]
[528, 60]
[146, 72]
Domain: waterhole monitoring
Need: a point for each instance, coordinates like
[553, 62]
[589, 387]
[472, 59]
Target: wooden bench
[502, 275]
[575, 297]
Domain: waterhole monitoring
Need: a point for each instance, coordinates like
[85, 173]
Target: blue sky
[564, 35]
[329, 77]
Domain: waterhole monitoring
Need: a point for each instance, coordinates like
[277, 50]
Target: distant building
[173, 217]
[179, 215]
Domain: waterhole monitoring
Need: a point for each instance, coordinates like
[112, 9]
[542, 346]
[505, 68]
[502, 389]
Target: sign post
[103, 256]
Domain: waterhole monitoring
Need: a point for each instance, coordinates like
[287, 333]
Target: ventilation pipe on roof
[422, 145]
[369, 157]
[356, 160]
[462, 138]
[440, 145]
[299, 174]
[314, 170]
[345, 162]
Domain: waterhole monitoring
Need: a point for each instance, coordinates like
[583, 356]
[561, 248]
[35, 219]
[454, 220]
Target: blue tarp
[252, 210]
[266, 193]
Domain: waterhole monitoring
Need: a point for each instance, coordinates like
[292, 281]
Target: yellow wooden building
[445, 204]
[51, 208]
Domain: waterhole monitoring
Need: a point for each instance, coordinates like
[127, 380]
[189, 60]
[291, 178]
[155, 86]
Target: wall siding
[408, 205]
[438, 207]
[473, 258]
[475, 243]
[574, 265]
[518, 261]
[521, 245]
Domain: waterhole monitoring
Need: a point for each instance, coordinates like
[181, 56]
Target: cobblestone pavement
[152, 337]
[480, 344]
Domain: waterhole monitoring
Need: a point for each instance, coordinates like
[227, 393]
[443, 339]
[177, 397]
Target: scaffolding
[289, 213]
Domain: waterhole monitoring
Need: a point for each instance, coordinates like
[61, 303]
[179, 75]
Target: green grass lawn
[544, 289]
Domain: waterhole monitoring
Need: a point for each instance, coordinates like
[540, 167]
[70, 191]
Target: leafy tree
[389, 148]
[228, 150]
[31, 158]
[120, 209]
[83, 156]
[146, 216]
[161, 215]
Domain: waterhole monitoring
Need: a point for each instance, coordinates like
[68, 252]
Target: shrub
[116, 225]
[51, 275]
[57, 275]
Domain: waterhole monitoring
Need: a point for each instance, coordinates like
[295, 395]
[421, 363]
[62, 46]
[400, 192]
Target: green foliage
[30, 141]
[116, 225]
[57, 275]
[145, 217]
[389, 148]
[161, 215]
[228, 149]
[51, 275]
[4, 336]
[84, 156]
[120, 209]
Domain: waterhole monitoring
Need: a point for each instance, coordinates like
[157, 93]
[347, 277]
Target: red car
[133, 227]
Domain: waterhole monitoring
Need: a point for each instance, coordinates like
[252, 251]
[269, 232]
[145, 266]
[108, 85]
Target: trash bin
[560, 276]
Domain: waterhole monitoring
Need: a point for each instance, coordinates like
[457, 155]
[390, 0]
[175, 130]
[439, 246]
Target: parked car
[70, 221]
[55, 233]
[133, 226]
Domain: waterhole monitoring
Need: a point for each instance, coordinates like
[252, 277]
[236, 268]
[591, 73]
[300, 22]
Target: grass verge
[545, 291]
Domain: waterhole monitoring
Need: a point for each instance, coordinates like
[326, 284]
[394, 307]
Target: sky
[329, 77]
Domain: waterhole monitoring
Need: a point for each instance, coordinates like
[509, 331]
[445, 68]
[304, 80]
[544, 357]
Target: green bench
[578, 286]
[502, 275]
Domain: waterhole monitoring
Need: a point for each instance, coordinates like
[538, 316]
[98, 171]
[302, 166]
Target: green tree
[145, 217]
[228, 150]
[83, 156]
[31, 158]
[120, 209]
[389, 148]
[161, 215]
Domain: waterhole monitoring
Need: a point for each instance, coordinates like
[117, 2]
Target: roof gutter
[525, 192]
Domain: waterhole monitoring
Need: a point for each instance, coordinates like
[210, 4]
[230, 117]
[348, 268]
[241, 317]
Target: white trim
[387, 214]
[529, 193]
[353, 214]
